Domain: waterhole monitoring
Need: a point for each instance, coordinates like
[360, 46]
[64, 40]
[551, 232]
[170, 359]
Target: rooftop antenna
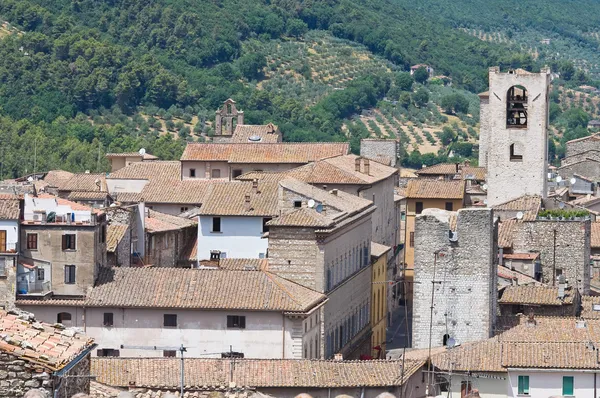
[520, 215]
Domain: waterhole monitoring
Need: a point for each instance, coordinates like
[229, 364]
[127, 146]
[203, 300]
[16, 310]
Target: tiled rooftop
[160, 222]
[146, 156]
[290, 152]
[48, 346]
[303, 217]
[521, 256]
[229, 199]
[179, 288]
[266, 132]
[56, 178]
[114, 234]
[378, 250]
[528, 204]
[587, 307]
[9, 207]
[239, 264]
[535, 295]
[424, 188]
[595, 235]
[505, 233]
[521, 279]
[85, 182]
[87, 195]
[451, 169]
[254, 373]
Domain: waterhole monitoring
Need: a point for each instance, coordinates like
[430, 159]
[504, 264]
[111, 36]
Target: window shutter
[229, 321]
[568, 387]
[243, 322]
[66, 272]
[64, 242]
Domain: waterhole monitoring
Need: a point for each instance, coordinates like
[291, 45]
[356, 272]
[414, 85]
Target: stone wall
[484, 127]
[571, 254]
[76, 380]
[18, 376]
[380, 149]
[8, 283]
[464, 276]
[581, 145]
[585, 168]
[577, 157]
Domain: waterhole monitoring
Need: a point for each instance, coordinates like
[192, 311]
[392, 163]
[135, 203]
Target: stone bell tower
[227, 117]
[513, 141]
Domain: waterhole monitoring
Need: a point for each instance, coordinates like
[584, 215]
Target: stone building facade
[226, 119]
[461, 267]
[581, 145]
[576, 157]
[381, 150]
[514, 136]
[589, 168]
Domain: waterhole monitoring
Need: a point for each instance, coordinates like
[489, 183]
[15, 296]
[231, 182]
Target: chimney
[367, 166]
[562, 285]
[255, 186]
[531, 320]
[247, 202]
[325, 187]
[460, 167]
[357, 164]
[334, 192]
[338, 357]
[456, 166]
[215, 255]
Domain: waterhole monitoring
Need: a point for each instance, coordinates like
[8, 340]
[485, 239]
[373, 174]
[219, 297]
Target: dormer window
[516, 107]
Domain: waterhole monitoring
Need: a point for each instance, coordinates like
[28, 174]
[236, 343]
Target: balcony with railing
[33, 288]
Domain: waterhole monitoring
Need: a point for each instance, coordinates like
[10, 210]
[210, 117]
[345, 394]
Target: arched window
[516, 107]
[64, 318]
[445, 340]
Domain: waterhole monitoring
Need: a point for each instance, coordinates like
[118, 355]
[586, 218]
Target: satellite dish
[319, 208]
[311, 203]
[254, 138]
[142, 152]
[485, 202]
[485, 187]
[573, 180]
[558, 179]
[451, 342]
[561, 205]
[29, 179]
[520, 215]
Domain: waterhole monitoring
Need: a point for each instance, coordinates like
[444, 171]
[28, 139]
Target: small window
[64, 318]
[107, 352]
[419, 207]
[183, 209]
[559, 272]
[69, 274]
[41, 274]
[297, 203]
[516, 107]
[568, 386]
[449, 206]
[103, 234]
[192, 173]
[108, 319]
[412, 239]
[265, 227]
[32, 241]
[170, 320]
[232, 354]
[169, 354]
[523, 387]
[515, 154]
[236, 322]
[216, 173]
[236, 173]
[68, 242]
[216, 224]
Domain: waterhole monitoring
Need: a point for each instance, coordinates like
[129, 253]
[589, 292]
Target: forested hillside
[84, 77]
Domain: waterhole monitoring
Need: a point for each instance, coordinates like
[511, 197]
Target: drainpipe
[283, 336]
[595, 390]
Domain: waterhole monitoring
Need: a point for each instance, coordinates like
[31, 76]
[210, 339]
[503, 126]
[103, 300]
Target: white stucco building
[254, 314]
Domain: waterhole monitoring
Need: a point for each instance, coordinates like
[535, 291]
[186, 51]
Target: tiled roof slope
[85, 182]
[505, 233]
[480, 356]
[229, 199]
[449, 169]
[536, 295]
[42, 344]
[528, 204]
[9, 207]
[521, 279]
[160, 222]
[254, 373]
[56, 178]
[146, 156]
[595, 235]
[238, 264]
[114, 235]
[593, 137]
[290, 152]
[87, 195]
[161, 170]
[423, 188]
[377, 171]
[304, 217]
[266, 132]
[200, 289]
[587, 307]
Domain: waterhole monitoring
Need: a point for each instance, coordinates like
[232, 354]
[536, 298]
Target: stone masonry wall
[76, 380]
[579, 146]
[8, 283]
[465, 277]
[585, 168]
[376, 148]
[572, 252]
[593, 154]
[17, 377]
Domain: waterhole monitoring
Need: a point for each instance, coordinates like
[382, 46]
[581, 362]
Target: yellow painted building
[379, 292]
[421, 194]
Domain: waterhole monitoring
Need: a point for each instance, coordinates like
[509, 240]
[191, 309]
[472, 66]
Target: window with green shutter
[568, 386]
[523, 385]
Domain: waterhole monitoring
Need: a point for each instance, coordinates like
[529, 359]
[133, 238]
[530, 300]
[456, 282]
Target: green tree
[251, 65]
[421, 97]
[405, 100]
[296, 27]
[421, 75]
[404, 81]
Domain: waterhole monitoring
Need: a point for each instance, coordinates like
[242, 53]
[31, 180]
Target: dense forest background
[79, 78]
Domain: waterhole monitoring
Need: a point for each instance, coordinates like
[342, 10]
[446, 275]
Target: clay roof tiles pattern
[595, 235]
[521, 279]
[87, 195]
[56, 178]
[587, 307]
[290, 152]
[114, 235]
[9, 208]
[254, 373]
[304, 217]
[423, 188]
[593, 137]
[156, 222]
[238, 264]
[229, 199]
[450, 169]
[161, 170]
[42, 344]
[528, 204]
[505, 233]
[536, 295]
[268, 133]
[221, 289]
[85, 182]
[146, 156]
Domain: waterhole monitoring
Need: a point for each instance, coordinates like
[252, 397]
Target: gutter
[61, 373]
[552, 370]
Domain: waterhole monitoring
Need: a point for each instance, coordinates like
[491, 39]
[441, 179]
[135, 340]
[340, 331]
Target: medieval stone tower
[227, 118]
[513, 141]
[454, 257]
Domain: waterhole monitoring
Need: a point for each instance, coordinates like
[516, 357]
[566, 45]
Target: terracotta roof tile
[268, 133]
[423, 188]
[161, 222]
[9, 208]
[535, 295]
[506, 233]
[303, 217]
[221, 289]
[587, 307]
[522, 279]
[595, 235]
[56, 178]
[521, 256]
[146, 156]
[85, 182]
[593, 137]
[450, 169]
[87, 195]
[114, 234]
[253, 373]
[229, 199]
[290, 152]
[528, 204]
[161, 170]
[239, 264]
[39, 337]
